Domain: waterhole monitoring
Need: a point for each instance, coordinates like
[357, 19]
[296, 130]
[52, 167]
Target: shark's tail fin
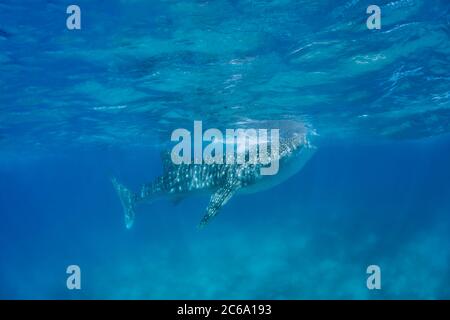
[128, 200]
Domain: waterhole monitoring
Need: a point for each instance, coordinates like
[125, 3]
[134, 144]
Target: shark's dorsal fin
[218, 200]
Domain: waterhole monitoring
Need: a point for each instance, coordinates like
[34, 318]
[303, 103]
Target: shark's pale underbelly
[287, 170]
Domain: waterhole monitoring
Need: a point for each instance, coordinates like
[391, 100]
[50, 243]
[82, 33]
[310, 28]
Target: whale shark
[220, 181]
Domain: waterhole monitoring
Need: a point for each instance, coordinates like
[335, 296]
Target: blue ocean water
[80, 106]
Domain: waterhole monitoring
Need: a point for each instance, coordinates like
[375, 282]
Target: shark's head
[295, 149]
[296, 146]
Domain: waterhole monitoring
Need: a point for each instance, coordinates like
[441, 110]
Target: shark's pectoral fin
[218, 200]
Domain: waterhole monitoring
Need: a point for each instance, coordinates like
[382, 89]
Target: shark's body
[222, 181]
